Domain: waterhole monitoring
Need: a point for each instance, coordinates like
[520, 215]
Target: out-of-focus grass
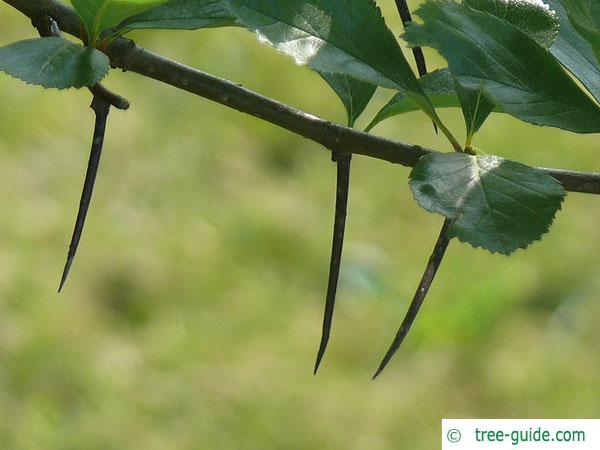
[192, 315]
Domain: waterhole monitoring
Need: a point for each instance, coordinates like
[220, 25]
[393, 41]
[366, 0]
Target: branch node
[48, 27]
[98, 90]
[339, 155]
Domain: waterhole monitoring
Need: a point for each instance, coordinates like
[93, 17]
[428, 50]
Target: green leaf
[585, 17]
[53, 62]
[494, 203]
[184, 15]
[532, 17]
[440, 89]
[437, 85]
[99, 15]
[575, 53]
[337, 36]
[516, 73]
[476, 107]
[354, 94]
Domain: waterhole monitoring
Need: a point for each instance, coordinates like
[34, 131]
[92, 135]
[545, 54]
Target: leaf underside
[494, 203]
[53, 62]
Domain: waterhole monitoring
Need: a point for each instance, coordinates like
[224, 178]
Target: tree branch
[125, 54]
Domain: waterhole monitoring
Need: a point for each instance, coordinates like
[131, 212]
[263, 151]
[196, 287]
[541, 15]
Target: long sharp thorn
[432, 266]
[341, 204]
[420, 60]
[101, 109]
[417, 52]
[406, 18]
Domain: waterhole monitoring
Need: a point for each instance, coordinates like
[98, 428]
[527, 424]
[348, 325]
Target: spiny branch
[124, 54]
[102, 101]
[341, 205]
[430, 270]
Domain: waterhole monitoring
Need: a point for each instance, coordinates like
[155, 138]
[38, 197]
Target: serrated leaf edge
[493, 252]
[58, 88]
[520, 247]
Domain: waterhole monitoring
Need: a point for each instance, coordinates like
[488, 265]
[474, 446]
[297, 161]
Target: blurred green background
[192, 315]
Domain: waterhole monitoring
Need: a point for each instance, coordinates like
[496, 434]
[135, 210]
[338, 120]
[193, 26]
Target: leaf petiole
[453, 141]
